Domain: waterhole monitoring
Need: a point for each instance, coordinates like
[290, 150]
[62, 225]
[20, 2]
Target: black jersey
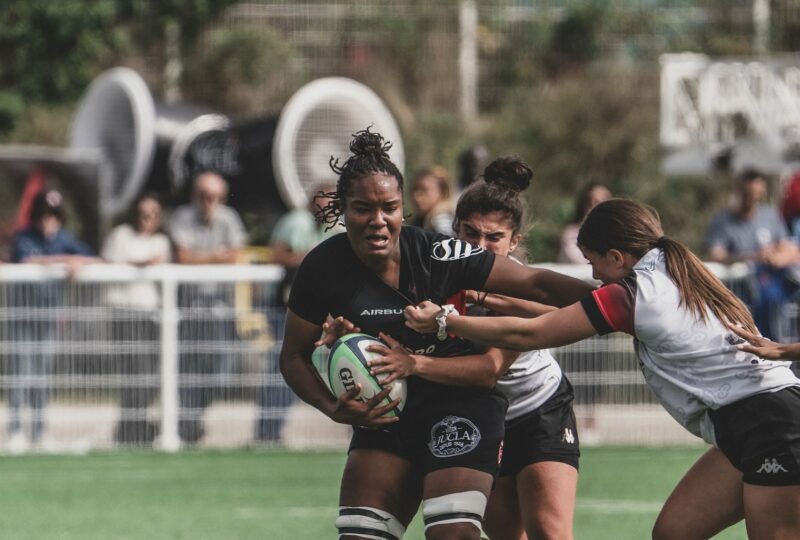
[332, 280]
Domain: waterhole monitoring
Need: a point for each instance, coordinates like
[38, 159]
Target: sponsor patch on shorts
[453, 436]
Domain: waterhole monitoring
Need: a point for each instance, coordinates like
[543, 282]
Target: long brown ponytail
[634, 228]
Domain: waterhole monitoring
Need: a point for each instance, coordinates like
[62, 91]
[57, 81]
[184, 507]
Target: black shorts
[760, 435]
[547, 434]
[443, 434]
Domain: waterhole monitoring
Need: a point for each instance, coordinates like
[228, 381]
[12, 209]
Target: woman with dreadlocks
[367, 275]
[680, 315]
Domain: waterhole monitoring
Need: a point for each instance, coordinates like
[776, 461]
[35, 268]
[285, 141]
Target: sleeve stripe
[615, 305]
[595, 315]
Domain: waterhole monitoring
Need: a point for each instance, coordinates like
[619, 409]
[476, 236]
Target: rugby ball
[346, 366]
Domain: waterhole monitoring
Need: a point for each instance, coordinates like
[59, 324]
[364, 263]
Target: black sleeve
[459, 265]
[308, 296]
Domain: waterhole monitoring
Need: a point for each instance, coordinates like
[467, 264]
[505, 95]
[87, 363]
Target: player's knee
[454, 516]
[366, 522]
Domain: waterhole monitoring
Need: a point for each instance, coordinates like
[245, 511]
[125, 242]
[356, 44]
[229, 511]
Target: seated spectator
[755, 233]
[204, 232]
[138, 242]
[44, 241]
[431, 197]
[587, 198]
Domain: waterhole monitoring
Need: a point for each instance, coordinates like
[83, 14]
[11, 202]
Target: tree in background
[50, 51]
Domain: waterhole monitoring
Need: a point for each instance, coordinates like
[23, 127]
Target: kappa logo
[453, 436]
[568, 437]
[771, 467]
[451, 249]
[388, 311]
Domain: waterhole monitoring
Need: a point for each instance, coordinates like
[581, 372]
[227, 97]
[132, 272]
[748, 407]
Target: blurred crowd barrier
[115, 355]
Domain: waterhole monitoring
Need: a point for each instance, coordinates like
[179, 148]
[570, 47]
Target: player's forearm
[302, 379]
[515, 307]
[557, 289]
[504, 332]
[473, 370]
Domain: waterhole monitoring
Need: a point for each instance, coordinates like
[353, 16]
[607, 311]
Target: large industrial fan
[272, 163]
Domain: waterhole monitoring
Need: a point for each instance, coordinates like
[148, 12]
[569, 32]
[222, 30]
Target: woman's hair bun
[367, 143]
[509, 171]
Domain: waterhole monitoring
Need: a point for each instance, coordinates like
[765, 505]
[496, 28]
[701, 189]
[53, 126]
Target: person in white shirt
[680, 315]
[138, 242]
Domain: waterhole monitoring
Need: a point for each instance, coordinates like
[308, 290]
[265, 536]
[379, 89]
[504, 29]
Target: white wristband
[441, 320]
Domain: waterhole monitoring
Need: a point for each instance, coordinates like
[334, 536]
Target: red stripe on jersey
[616, 303]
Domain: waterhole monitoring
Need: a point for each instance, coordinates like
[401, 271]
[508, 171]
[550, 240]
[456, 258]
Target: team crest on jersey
[453, 436]
[451, 249]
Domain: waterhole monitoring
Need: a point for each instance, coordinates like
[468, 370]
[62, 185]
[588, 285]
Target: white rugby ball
[346, 366]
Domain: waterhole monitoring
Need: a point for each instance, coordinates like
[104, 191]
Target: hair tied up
[661, 242]
[510, 172]
[365, 142]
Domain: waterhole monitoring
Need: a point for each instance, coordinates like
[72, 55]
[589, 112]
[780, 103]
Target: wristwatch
[441, 320]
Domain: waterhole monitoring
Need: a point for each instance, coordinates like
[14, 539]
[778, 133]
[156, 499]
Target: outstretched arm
[513, 279]
[513, 307]
[554, 329]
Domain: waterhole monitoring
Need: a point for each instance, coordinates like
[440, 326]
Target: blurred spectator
[44, 241]
[294, 235]
[587, 198]
[296, 232]
[755, 233]
[432, 201]
[138, 242]
[471, 163]
[205, 232]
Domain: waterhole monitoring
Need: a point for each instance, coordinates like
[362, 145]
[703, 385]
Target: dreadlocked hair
[369, 154]
[634, 228]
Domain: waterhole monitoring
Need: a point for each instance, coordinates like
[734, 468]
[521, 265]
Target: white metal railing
[118, 364]
[49, 295]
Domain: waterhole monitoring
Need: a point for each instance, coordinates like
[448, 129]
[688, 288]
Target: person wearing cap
[44, 241]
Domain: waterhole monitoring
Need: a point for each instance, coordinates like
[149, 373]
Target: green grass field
[277, 495]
